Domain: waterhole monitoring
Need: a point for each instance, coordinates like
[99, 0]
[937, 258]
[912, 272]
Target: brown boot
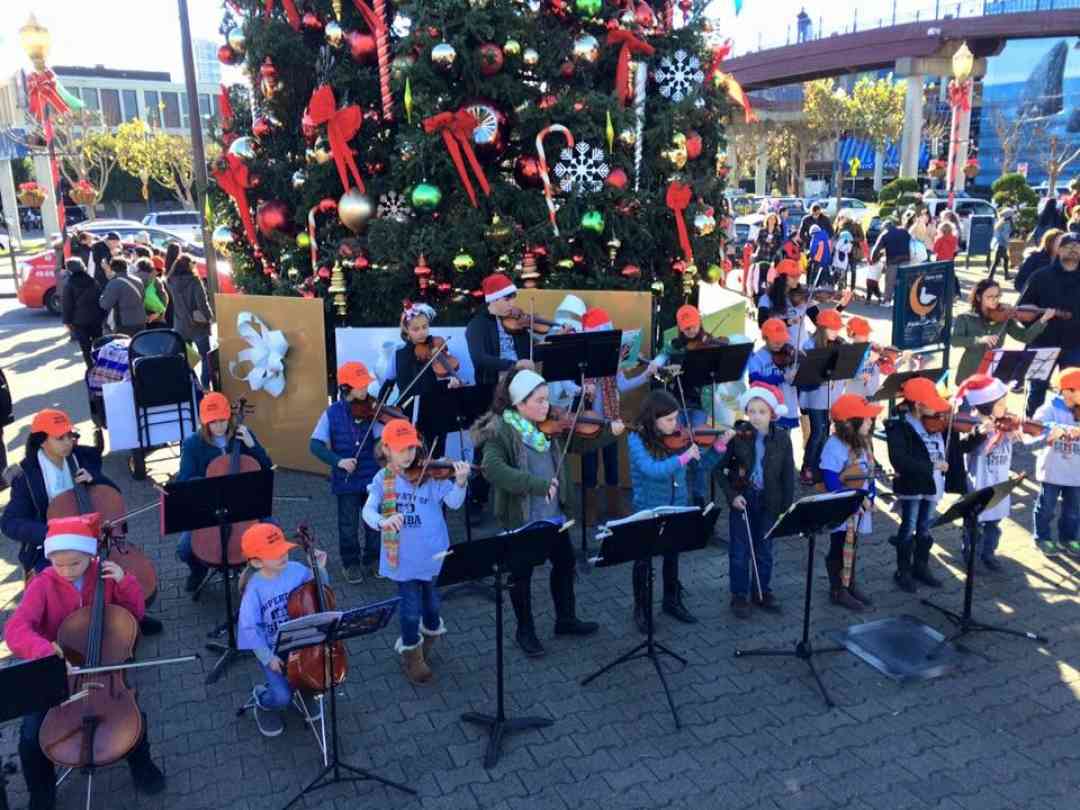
[416, 670]
[615, 508]
[838, 594]
[430, 637]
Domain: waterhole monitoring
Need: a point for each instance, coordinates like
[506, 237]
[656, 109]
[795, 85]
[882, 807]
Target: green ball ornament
[593, 221]
[463, 262]
[426, 197]
[303, 241]
[715, 273]
[588, 8]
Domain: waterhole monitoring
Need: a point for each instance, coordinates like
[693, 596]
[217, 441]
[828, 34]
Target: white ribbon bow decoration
[266, 355]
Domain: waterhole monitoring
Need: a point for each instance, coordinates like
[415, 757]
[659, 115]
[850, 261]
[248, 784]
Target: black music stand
[712, 365]
[496, 556]
[1015, 366]
[830, 364]
[328, 628]
[220, 501]
[643, 536]
[576, 357]
[27, 687]
[968, 510]
[807, 518]
[890, 388]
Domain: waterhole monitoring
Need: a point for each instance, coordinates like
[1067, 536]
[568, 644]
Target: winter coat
[79, 302]
[768, 245]
[895, 243]
[482, 337]
[913, 471]
[24, 518]
[820, 249]
[1053, 286]
[778, 467]
[1049, 217]
[821, 220]
[49, 599]
[506, 469]
[124, 293]
[970, 326]
[196, 454]
[1033, 262]
[661, 482]
[188, 296]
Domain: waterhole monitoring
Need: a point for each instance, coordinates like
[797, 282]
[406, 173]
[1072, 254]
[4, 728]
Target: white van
[184, 224]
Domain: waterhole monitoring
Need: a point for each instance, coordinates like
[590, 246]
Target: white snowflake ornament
[393, 206]
[679, 77]
[582, 169]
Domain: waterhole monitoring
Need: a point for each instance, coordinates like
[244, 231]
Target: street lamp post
[963, 62]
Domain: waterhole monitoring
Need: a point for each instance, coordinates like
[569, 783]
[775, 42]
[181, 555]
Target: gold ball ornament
[334, 33]
[530, 57]
[463, 262]
[628, 137]
[243, 147]
[355, 209]
[586, 49]
[222, 239]
[657, 288]
[704, 224]
[236, 39]
[498, 230]
[293, 274]
[512, 48]
[303, 241]
[443, 56]
[320, 153]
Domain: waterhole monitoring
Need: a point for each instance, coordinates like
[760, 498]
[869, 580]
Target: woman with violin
[984, 328]
[218, 436]
[263, 607]
[660, 451]
[344, 440]
[405, 504]
[524, 449]
[53, 601]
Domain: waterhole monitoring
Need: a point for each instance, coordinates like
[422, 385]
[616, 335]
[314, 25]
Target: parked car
[851, 207]
[965, 207]
[184, 224]
[746, 229]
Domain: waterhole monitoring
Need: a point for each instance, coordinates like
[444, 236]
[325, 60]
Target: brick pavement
[1002, 732]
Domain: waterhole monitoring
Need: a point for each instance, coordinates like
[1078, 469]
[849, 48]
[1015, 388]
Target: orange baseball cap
[1070, 378]
[924, 392]
[688, 316]
[829, 319]
[214, 406]
[354, 374]
[788, 267]
[399, 435]
[52, 422]
[858, 327]
[853, 406]
[774, 329]
[265, 541]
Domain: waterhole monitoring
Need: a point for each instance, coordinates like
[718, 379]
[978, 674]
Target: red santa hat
[981, 389]
[77, 533]
[769, 394]
[497, 286]
[596, 320]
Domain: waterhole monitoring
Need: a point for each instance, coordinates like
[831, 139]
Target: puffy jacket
[660, 482]
[79, 302]
[913, 471]
[188, 296]
[196, 455]
[820, 248]
[778, 467]
[482, 337]
[1054, 286]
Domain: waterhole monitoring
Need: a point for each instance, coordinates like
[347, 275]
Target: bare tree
[1013, 134]
[1055, 153]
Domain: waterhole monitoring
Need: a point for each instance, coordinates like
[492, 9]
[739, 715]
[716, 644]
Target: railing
[886, 15]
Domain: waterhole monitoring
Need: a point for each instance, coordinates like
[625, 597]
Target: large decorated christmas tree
[384, 152]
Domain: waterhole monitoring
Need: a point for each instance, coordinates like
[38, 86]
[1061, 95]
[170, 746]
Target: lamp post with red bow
[963, 62]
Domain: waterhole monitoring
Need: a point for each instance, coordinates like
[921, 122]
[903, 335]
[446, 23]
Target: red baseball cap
[354, 374]
[1070, 378]
[924, 392]
[853, 406]
[52, 422]
[858, 327]
[399, 434]
[265, 541]
[774, 329]
[214, 407]
[788, 267]
[829, 319]
[687, 316]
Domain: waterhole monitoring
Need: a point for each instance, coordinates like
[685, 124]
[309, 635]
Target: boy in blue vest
[336, 441]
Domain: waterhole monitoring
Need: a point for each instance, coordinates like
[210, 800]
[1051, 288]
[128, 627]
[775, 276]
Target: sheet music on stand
[648, 514]
[1009, 365]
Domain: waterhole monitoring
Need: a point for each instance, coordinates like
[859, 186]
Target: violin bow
[532, 312]
[802, 318]
[570, 434]
[753, 556]
[380, 402]
[686, 411]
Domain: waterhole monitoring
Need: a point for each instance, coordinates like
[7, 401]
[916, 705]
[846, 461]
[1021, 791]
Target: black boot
[838, 594]
[674, 605]
[903, 567]
[40, 776]
[921, 568]
[562, 594]
[641, 588]
[147, 777]
[521, 600]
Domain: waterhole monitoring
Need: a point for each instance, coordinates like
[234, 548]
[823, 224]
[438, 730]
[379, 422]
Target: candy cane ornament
[549, 194]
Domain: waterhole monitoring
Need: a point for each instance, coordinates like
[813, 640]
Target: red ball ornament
[309, 128]
[579, 106]
[375, 167]
[686, 5]
[643, 15]
[566, 69]
[311, 22]
[678, 266]
[491, 58]
[324, 273]
[227, 56]
[527, 172]
[547, 102]
[362, 47]
[617, 178]
[273, 218]
[693, 145]
[261, 127]
[630, 271]
[327, 205]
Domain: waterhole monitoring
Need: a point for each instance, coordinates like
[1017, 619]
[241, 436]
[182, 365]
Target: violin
[446, 366]
[309, 668]
[704, 437]
[517, 321]
[1006, 423]
[439, 470]
[364, 411]
[936, 422]
[784, 356]
[217, 546]
[704, 340]
[1025, 313]
[105, 724]
[559, 421]
[108, 503]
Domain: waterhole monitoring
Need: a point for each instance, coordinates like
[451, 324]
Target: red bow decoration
[719, 54]
[232, 178]
[290, 12]
[227, 113]
[678, 198]
[959, 96]
[629, 45]
[41, 88]
[456, 130]
[370, 17]
[341, 126]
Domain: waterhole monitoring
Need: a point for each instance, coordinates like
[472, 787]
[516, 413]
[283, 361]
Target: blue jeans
[914, 519]
[275, 694]
[1046, 506]
[819, 434]
[349, 507]
[590, 463]
[202, 344]
[986, 539]
[419, 600]
[187, 556]
[739, 545]
[695, 479]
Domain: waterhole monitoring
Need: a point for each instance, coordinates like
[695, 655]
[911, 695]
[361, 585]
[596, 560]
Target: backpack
[152, 302]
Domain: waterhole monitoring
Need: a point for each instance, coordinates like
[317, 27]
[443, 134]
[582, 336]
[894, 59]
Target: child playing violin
[416, 323]
[68, 584]
[530, 484]
[815, 402]
[847, 462]
[774, 364]
[409, 514]
[759, 483]
[1056, 467]
[264, 606]
[977, 333]
[344, 440]
[658, 478]
[217, 437]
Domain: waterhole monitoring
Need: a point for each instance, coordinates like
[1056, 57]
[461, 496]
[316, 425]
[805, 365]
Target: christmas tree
[384, 153]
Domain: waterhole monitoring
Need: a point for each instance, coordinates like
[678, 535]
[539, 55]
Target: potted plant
[971, 167]
[83, 193]
[937, 168]
[31, 194]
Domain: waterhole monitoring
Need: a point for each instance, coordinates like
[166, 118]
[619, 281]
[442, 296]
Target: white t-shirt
[987, 466]
[834, 458]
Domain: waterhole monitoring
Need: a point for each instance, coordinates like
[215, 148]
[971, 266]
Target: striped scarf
[851, 537]
[610, 393]
[391, 540]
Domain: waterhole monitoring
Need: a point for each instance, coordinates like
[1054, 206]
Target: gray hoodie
[124, 294]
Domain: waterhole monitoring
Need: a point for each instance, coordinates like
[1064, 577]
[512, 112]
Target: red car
[37, 279]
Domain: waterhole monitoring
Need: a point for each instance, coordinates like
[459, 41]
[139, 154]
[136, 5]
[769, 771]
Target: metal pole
[198, 152]
[58, 191]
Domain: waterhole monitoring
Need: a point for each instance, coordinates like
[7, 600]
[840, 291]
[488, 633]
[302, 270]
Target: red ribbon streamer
[341, 126]
[959, 96]
[629, 45]
[290, 12]
[227, 113]
[677, 199]
[456, 130]
[233, 180]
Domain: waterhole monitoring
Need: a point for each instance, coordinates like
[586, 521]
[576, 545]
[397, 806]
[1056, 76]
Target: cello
[309, 668]
[108, 503]
[218, 546]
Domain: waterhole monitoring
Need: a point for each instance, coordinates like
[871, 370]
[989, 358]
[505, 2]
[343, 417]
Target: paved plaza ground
[1002, 732]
